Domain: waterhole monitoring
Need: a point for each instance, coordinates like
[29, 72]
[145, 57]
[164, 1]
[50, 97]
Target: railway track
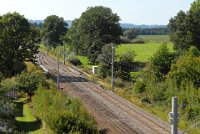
[112, 118]
[126, 117]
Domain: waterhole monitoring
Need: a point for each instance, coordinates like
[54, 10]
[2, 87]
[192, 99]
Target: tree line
[150, 31]
[94, 33]
[175, 73]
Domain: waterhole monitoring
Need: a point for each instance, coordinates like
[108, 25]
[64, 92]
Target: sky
[130, 11]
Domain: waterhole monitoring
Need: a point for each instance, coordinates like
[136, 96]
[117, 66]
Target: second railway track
[127, 117]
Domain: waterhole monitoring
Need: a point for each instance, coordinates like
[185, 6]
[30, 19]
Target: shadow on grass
[25, 126]
[28, 126]
[19, 109]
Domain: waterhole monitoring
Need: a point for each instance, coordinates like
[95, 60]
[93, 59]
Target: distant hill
[123, 25]
[36, 21]
[69, 22]
[143, 26]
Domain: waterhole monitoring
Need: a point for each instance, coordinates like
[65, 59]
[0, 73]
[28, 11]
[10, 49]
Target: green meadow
[155, 38]
[143, 51]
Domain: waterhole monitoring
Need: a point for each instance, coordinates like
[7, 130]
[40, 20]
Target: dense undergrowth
[49, 109]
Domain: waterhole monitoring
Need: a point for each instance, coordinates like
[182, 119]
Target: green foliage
[119, 83]
[180, 34]
[193, 17]
[187, 67]
[124, 40]
[182, 81]
[130, 34]
[125, 65]
[96, 27]
[139, 87]
[134, 75]
[105, 60]
[75, 61]
[71, 117]
[162, 60]
[7, 107]
[143, 51]
[138, 41]
[17, 43]
[185, 28]
[7, 114]
[152, 31]
[155, 38]
[127, 57]
[154, 74]
[53, 30]
[8, 85]
[29, 80]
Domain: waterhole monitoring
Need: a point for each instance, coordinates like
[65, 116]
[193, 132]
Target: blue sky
[130, 11]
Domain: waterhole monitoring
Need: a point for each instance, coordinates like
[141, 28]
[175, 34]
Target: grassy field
[156, 38]
[143, 51]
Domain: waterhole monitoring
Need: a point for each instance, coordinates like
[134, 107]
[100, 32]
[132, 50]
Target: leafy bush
[8, 93]
[8, 85]
[124, 40]
[71, 116]
[162, 60]
[134, 75]
[130, 33]
[75, 61]
[157, 85]
[139, 87]
[125, 65]
[138, 41]
[119, 82]
[29, 81]
[186, 68]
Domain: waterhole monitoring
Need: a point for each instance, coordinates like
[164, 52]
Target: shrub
[162, 60]
[125, 40]
[75, 61]
[29, 81]
[186, 68]
[7, 107]
[119, 83]
[139, 87]
[135, 75]
[138, 41]
[145, 100]
[71, 116]
[125, 65]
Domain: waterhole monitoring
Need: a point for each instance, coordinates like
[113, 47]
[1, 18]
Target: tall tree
[180, 34]
[53, 29]
[185, 28]
[130, 33]
[17, 42]
[105, 60]
[96, 27]
[194, 23]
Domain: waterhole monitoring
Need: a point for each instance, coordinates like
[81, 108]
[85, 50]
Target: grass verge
[25, 120]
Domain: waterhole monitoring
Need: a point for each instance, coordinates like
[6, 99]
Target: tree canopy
[185, 28]
[130, 33]
[17, 42]
[53, 29]
[96, 27]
